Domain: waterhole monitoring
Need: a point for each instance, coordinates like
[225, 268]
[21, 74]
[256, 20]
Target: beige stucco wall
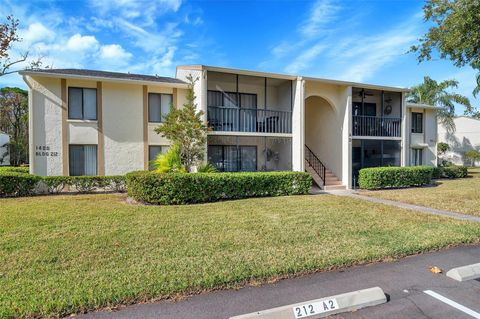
[465, 137]
[426, 140]
[123, 122]
[325, 109]
[45, 131]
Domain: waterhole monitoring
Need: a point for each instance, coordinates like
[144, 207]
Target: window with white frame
[417, 122]
[417, 156]
[159, 105]
[82, 103]
[83, 160]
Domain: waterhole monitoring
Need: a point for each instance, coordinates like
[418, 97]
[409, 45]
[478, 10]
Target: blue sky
[357, 40]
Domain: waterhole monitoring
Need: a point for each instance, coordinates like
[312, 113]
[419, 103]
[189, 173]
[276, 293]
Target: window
[159, 106]
[417, 122]
[154, 150]
[229, 99]
[232, 158]
[82, 104]
[83, 160]
[417, 156]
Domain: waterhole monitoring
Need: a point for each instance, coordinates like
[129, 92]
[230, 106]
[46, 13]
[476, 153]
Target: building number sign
[43, 150]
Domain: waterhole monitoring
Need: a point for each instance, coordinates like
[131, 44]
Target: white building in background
[85, 122]
[465, 137]
[4, 156]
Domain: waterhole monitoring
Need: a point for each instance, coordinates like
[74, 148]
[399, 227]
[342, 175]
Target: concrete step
[334, 187]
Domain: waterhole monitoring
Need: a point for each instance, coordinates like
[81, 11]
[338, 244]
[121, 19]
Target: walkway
[421, 209]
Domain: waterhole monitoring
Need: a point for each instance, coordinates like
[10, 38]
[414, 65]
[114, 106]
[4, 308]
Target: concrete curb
[465, 273]
[349, 301]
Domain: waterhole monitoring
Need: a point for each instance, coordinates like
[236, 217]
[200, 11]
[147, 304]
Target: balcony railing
[376, 126]
[234, 119]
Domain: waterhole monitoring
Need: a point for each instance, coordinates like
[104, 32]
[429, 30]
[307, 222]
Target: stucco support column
[405, 144]
[100, 146]
[145, 127]
[298, 125]
[347, 140]
[63, 84]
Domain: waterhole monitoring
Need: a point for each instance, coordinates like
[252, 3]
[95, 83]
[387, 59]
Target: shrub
[15, 169]
[450, 172]
[169, 162]
[207, 168]
[56, 184]
[17, 184]
[454, 172]
[178, 188]
[87, 184]
[393, 177]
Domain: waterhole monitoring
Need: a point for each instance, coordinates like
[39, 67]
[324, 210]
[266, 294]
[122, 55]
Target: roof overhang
[358, 84]
[422, 106]
[291, 77]
[101, 78]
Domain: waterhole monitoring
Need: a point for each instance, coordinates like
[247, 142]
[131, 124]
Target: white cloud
[321, 13]
[364, 58]
[303, 60]
[79, 43]
[36, 32]
[144, 12]
[114, 52]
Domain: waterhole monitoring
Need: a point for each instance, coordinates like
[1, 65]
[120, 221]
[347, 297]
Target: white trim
[82, 121]
[291, 77]
[453, 304]
[103, 79]
[422, 106]
[234, 133]
[389, 138]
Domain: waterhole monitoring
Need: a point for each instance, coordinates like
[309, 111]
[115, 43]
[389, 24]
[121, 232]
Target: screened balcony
[376, 113]
[241, 103]
[230, 153]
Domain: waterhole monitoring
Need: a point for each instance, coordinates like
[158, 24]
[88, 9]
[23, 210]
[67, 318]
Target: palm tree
[439, 94]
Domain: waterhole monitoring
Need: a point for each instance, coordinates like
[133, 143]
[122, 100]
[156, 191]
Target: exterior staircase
[322, 176]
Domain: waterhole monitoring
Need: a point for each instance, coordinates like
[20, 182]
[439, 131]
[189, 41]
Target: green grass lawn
[64, 254]
[457, 195]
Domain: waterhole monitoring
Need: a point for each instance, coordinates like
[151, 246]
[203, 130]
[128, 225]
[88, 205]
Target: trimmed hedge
[180, 188]
[16, 181]
[15, 169]
[450, 172]
[17, 184]
[394, 177]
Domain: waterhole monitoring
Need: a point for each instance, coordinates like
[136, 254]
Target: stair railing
[315, 163]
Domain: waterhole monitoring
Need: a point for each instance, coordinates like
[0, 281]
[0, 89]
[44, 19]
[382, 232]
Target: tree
[8, 37]
[454, 35]
[439, 94]
[473, 156]
[14, 122]
[184, 127]
[442, 148]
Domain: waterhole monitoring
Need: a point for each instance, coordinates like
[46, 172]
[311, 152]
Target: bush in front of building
[17, 183]
[16, 169]
[394, 177]
[177, 188]
[452, 171]
[84, 184]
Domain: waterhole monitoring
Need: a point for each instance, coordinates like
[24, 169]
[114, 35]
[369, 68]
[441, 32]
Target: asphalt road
[403, 281]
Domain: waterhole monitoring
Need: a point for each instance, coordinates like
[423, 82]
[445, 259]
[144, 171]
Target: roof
[422, 106]
[103, 75]
[291, 77]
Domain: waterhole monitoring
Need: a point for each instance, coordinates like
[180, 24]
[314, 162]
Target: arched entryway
[323, 135]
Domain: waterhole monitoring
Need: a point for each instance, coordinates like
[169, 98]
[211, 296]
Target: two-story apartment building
[86, 122]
